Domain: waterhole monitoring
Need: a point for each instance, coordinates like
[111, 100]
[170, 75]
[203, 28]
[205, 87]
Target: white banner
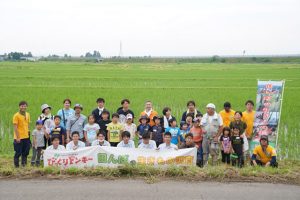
[115, 156]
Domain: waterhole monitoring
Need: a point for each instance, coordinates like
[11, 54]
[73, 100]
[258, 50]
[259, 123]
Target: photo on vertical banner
[271, 102]
[266, 118]
[269, 130]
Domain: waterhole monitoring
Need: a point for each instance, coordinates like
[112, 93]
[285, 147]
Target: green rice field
[166, 84]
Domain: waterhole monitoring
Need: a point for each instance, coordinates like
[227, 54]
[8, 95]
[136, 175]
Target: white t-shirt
[130, 144]
[151, 145]
[164, 146]
[96, 143]
[70, 145]
[59, 148]
[91, 131]
[209, 118]
[131, 129]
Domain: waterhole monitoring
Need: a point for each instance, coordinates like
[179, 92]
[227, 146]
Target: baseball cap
[211, 105]
[129, 116]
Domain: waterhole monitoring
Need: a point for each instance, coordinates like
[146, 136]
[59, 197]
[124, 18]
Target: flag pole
[281, 100]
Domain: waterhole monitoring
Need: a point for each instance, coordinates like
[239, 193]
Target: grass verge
[288, 172]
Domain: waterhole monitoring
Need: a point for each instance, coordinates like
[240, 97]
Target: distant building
[31, 59]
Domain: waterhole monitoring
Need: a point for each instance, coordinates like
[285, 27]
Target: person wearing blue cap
[38, 143]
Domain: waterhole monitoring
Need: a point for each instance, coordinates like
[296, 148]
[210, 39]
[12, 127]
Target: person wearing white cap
[130, 126]
[48, 122]
[212, 125]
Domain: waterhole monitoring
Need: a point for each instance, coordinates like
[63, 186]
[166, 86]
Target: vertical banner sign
[268, 108]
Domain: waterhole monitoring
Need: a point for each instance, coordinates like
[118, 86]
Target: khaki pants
[209, 147]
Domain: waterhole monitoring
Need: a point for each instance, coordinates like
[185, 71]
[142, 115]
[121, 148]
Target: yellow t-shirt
[23, 125]
[114, 130]
[248, 118]
[264, 157]
[227, 117]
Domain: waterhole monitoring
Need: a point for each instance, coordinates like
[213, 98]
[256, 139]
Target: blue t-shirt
[67, 114]
[175, 132]
[142, 129]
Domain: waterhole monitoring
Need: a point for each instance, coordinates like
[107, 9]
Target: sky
[150, 27]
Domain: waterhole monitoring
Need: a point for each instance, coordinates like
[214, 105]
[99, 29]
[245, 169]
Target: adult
[48, 122]
[191, 108]
[227, 114]
[264, 154]
[167, 117]
[124, 111]
[149, 112]
[65, 112]
[237, 122]
[98, 111]
[76, 123]
[248, 118]
[212, 125]
[21, 121]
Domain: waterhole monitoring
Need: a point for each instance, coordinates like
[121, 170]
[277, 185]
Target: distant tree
[29, 54]
[96, 54]
[88, 55]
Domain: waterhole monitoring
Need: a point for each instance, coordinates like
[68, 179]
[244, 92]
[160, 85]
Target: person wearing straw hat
[211, 125]
[143, 128]
[76, 123]
[48, 122]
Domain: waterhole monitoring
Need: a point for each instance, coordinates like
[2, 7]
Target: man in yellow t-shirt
[21, 121]
[227, 114]
[114, 130]
[264, 154]
[248, 118]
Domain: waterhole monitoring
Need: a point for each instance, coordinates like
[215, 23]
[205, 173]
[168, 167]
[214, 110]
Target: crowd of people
[227, 133]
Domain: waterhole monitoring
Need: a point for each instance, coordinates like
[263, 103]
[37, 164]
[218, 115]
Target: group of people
[228, 132]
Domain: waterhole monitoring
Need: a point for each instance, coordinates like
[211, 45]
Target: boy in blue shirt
[143, 128]
[175, 132]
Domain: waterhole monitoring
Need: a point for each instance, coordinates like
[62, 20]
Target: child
[189, 143]
[225, 145]
[167, 145]
[91, 129]
[129, 126]
[183, 131]
[237, 147]
[126, 141]
[104, 122]
[175, 131]
[100, 140]
[38, 143]
[197, 133]
[55, 144]
[147, 143]
[157, 131]
[58, 130]
[143, 128]
[189, 120]
[75, 143]
[115, 130]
